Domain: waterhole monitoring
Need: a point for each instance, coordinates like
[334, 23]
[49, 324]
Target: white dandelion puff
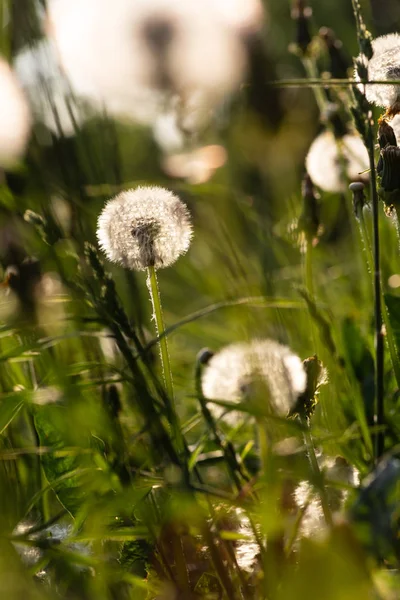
[338, 472]
[384, 65]
[127, 55]
[395, 125]
[247, 16]
[332, 161]
[144, 227]
[247, 548]
[15, 117]
[233, 373]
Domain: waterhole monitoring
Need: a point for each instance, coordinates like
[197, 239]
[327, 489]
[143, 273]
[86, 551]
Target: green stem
[316, 472]
[379, 348]
[263, 442]
[309, 283]
[152, 285]
[312, 73]
[370, 261]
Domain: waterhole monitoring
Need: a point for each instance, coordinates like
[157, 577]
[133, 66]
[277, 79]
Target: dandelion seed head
[247, 16]
[15, 118]
[337, 471]
[331, 162]
[233, 374]
[395, 125]
[246, 549]
[143, 227]
[127, 55]
[384, 65]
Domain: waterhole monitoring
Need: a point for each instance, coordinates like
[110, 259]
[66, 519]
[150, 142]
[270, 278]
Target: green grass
[110, 488]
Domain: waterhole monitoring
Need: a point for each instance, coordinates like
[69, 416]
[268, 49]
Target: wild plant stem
[379, 348]
[312, 73]
[370, 262]
[316, 472]
[364, 38]
[263, 446]
[152, 285]
[309, 283]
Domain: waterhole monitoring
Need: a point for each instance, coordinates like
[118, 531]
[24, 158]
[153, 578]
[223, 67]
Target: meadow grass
[152, 444]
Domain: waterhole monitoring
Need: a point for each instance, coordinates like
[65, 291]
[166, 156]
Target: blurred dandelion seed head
[330, 162]
[384, 64]
[338, 472]
[143, 227]
[15, 117]
[395, 125]
[128, 56]
[233, 374]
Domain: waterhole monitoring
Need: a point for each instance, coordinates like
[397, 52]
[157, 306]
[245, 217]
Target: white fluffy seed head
[332, 162]
[15, 118]
[237, 370]
[395, 125]
[384, 65]
[144, 227]
[337, 472]
[125, 54]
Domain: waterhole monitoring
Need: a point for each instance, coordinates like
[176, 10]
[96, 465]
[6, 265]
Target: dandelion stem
[152, 284]
[316, 471]
[379, 348]
[370, 261]
[309, 283]
[364, 41]
[312, 74]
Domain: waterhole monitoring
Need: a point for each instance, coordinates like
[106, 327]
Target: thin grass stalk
[221, 571]
[316, 471]
[309, 284]
[369, 259]
[379, 347]
[364, 41]
[312, 73]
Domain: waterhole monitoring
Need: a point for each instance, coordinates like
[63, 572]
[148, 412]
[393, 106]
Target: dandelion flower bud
[330, 161]
[234, 372]
[384, 64]
[144, 227]
[15, 119]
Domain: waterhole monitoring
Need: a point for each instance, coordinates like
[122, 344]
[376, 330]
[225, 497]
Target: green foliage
[114, 485]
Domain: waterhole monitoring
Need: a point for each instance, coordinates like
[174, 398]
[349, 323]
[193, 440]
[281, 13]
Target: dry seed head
[337, 472]
[129, 56]
[331, 160]
[384, 65]
[233, 372]
[144, 227]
